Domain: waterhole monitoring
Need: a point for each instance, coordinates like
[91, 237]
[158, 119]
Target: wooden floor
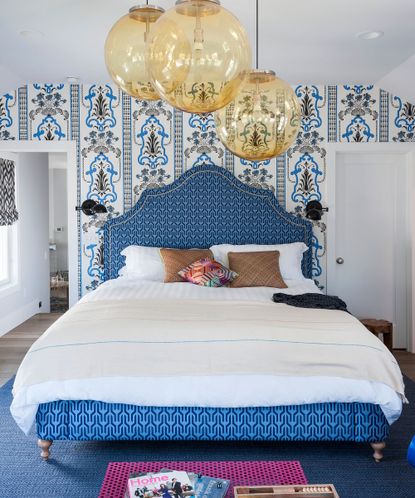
[406, 362]
[14, 345]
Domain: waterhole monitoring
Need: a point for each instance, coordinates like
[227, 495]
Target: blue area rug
[77, 469]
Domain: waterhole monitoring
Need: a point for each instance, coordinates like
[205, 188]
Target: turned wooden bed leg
[44, 445]
[378, 450]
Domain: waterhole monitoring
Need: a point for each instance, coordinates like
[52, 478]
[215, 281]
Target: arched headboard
[207, 205]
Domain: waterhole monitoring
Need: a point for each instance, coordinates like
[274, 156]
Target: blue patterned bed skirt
[95, 420]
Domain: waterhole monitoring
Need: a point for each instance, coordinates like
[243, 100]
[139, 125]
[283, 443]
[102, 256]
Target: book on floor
[209, 487]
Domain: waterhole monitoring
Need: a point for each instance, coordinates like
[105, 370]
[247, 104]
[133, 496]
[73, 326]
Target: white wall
[58, 212]
[400, 81]
[33, 243]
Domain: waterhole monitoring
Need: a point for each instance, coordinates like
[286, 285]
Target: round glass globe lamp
[125, 51]
[197, 54]
[263, 120]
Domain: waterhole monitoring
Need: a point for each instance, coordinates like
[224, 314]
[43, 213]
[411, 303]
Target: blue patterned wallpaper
[126, 146]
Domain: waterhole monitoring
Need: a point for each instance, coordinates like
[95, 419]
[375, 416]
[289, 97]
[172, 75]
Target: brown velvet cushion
[256, 269]
[176, 259]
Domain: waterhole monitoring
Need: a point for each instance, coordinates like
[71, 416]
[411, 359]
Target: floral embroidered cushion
[208, 273]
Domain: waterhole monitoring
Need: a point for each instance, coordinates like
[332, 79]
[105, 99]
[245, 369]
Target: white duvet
[201, 390]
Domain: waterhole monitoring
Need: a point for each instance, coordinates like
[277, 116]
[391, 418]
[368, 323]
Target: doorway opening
[58, 233]
[44, 250]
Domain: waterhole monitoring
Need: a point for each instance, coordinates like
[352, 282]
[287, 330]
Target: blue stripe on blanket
[207, 341]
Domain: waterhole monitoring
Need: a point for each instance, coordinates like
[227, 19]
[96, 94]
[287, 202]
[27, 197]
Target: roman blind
[8, 211]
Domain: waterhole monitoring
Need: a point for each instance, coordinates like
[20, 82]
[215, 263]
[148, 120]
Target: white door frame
[408, 150]
[68, 147]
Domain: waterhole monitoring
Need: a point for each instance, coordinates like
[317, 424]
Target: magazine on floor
[175, 484]
[165, 484]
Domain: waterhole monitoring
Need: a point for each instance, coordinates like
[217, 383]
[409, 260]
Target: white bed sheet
[131, 288]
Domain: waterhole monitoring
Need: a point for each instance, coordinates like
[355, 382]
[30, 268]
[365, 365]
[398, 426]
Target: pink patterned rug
[245, 473]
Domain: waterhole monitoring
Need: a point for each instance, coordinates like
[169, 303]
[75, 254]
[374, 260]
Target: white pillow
[143, 263]
[291, 256]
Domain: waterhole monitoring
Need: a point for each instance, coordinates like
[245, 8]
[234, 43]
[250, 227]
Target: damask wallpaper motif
[125, 146]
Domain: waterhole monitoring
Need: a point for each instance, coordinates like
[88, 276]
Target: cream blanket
[169, 338]
[98, 348]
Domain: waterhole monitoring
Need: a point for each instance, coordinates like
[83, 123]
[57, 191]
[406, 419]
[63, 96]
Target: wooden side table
[380, 327]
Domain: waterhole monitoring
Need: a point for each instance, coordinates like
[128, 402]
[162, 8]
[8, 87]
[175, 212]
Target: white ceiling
[308, 41]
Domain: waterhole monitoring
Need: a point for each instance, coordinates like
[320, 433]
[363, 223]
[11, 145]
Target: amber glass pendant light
[125, 51]
[263, 119]
[197, 54]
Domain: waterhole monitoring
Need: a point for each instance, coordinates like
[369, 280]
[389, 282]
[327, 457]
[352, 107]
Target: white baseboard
[18, 316]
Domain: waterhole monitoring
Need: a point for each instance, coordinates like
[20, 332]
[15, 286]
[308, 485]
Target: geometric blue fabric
[205, 206]
[95, 420]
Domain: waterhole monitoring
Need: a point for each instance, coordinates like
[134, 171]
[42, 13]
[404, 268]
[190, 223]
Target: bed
[228, 386]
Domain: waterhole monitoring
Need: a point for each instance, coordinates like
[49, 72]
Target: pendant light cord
[256, 34]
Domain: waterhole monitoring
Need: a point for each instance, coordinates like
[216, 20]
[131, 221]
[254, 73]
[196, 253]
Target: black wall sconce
[314, 210]
[91, 207]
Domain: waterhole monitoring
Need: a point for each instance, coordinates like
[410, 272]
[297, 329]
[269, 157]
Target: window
[4, 256]
[7, 257]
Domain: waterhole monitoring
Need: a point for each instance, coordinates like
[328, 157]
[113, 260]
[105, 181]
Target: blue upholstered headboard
[207, 205]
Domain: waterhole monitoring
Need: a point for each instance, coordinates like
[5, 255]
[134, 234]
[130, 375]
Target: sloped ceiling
[302, 40]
